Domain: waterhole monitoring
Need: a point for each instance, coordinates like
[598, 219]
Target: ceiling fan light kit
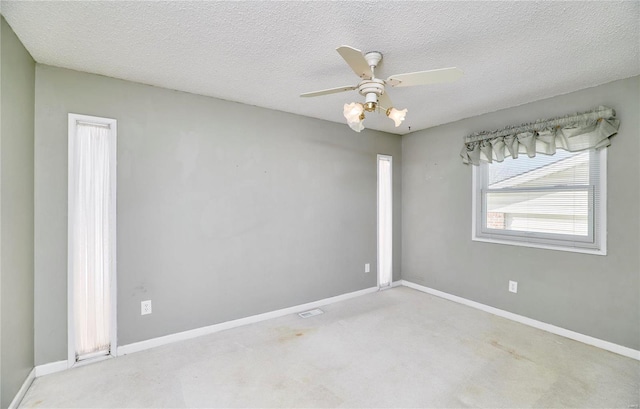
[354, 112]
[373, 89]
[356, 126]
[396, 115]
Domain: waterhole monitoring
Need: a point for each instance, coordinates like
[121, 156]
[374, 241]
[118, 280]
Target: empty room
[319, 204]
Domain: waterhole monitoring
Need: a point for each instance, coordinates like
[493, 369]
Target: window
[385, 221]
[91, 238]
[548, 201]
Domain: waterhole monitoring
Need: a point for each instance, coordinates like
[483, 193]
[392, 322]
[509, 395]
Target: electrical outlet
[145, 307]
[367, 268]
[513, 286]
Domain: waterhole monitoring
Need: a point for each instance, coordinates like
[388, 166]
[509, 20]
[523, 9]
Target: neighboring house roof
[567, 203]
[526, 176]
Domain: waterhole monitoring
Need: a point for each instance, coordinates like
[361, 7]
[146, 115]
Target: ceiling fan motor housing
[371, 90]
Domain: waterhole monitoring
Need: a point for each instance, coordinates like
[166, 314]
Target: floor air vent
[311, 313]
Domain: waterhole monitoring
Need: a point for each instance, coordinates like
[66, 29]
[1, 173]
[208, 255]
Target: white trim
[600, 238]
[93, 360]
[541, 246]
[381, 157]
[73, 120]
[53, 367]
[576, 336]
[23, 390]
[602, 213]
[474, 202]
[194, 333]
[93, 355]
[392, 285]
[59, 366]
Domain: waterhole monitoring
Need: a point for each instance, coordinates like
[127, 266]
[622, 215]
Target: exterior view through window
[548, 199]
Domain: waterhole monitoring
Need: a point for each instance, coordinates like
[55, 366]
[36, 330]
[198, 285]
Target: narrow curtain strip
[573, 133]
[91, 261]
[385, 232]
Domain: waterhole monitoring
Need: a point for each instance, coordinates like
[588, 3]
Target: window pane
[548, 201]
[560, 212]
[562, 169]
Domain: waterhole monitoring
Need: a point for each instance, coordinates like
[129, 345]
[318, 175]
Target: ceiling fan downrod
[372, 88]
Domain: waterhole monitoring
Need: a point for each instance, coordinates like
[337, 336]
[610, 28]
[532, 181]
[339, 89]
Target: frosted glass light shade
[353, 112]
[397, 115]
[356, 126]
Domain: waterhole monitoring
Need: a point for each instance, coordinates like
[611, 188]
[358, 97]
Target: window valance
[572, 133]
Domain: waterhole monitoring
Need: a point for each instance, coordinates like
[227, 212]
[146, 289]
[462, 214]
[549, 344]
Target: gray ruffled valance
[572, 133]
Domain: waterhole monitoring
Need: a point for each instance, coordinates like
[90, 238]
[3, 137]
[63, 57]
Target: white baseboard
[53, 367]
[23, 389]
[181, 336]
[576, 336]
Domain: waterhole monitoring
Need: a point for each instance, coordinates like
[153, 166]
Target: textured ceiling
[267, 53]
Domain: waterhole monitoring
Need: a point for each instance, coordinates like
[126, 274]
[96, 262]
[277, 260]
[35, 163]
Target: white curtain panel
[385, 233]
[90, 244]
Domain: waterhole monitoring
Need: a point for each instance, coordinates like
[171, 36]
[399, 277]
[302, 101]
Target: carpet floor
[395, 348]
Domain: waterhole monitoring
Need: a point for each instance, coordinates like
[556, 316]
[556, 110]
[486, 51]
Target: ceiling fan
[373, 89]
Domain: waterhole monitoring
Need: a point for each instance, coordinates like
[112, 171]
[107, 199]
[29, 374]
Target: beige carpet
[396, 348]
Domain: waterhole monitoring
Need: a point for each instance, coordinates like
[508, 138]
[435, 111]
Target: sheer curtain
[90, 237]
[385, 232]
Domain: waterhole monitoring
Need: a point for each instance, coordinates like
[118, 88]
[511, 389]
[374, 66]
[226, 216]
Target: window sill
[598, 252]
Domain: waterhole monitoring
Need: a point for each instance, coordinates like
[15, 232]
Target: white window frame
[382, 251]
[595, 244]
[71, 350]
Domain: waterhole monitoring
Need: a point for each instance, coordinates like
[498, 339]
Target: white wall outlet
[367, 268]
[145, 307]
[513, 286]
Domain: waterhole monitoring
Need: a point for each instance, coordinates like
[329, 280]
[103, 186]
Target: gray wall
[590, 294]
[224, 210]
[17, 80]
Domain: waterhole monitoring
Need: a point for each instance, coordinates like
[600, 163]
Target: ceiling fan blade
[385, 101]
[356, 61]
[425, 77]
[328, 91]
